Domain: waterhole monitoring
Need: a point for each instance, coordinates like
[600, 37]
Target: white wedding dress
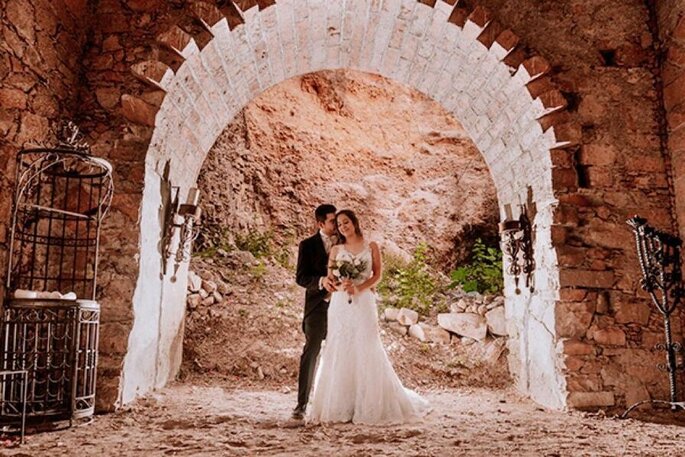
[354, 380]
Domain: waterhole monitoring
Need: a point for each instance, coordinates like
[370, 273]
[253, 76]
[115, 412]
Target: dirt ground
[186, 420]
[237, 389]
[231, 344]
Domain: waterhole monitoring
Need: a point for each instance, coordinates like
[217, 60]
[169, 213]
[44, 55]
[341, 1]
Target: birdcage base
[55, 342]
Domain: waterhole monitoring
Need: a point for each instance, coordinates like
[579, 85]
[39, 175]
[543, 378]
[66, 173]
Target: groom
[312, 270]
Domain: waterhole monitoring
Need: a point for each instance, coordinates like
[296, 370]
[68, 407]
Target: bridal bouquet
[348, 269]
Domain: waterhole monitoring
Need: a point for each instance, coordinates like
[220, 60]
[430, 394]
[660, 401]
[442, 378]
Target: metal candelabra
[659, 256]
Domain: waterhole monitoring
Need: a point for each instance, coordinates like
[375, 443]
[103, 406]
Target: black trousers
[315, 326]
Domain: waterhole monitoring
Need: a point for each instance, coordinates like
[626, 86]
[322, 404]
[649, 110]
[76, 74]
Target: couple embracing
[353, 380]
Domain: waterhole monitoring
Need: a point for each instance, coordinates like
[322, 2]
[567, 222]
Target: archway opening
[500, 96]
[421, 189]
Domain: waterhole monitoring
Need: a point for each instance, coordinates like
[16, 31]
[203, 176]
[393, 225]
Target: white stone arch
[438, 49]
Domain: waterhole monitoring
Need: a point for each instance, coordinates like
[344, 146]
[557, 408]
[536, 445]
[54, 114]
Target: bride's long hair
[355, 223]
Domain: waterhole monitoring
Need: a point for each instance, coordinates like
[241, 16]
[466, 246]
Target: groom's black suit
[312, 265]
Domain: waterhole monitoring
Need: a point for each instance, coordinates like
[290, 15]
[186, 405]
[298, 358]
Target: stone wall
[670, 15]
[124, 34]
[669, 18]
[41, 46]
[454, 55]
[603, 55]
[162, 81]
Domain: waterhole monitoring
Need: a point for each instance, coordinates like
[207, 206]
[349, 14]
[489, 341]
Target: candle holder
[181, 228]
[517, 242]
[659, 256]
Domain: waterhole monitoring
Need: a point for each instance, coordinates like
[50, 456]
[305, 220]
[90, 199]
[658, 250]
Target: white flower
[336, 273]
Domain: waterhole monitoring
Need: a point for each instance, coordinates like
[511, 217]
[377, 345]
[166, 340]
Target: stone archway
[455, 55]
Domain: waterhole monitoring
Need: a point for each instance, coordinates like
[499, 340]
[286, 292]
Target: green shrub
[259, 244]
[483, 274]
[409, 284]
[258, 271]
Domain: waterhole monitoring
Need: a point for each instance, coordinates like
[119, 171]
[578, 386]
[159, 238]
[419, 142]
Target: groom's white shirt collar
[324, 236]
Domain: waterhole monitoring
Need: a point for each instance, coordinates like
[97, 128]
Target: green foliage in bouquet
[347, 269]
[483, 274]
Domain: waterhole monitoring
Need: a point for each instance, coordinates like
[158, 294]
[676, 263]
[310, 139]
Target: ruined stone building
[577, 106]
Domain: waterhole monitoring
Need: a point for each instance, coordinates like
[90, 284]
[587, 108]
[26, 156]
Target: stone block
[417, 332]
[496, 321]
[635, 394]
[610, 336]
[586, 278]
[571, 294]
[407, 317]
[209, 286]
[12, 99]
[437, 334]
[583, 383]
[137, 110]
[575, 347]
[632, 312]
[398, 328]
[194, 282]
[598, 154]
[194, 301]
[390, 313]
[573, 319]
[471, 325]
[114, 337]
[107, 396]
[574, 364]
[590, 400]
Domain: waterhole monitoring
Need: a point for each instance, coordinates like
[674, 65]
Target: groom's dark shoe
[298, 413]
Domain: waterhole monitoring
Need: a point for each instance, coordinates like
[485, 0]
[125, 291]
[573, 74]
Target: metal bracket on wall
[517, 239]
[182, 220]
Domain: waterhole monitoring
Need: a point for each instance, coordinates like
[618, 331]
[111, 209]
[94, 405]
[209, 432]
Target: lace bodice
[363, 256]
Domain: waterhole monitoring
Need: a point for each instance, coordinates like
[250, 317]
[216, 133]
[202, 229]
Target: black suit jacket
[312, 265]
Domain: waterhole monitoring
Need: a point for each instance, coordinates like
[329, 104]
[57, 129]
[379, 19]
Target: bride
[355, 380]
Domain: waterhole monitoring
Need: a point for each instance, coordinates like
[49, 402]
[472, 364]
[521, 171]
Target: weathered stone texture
[606, 163]
[671, 24]
[41, 44]
[670, 21]
[607, 67]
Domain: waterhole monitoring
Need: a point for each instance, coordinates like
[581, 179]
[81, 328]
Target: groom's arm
[304, 276]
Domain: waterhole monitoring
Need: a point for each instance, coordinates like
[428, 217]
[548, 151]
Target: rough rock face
[410, 171]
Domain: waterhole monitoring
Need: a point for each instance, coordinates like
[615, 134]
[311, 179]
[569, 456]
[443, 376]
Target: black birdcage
[50, 319]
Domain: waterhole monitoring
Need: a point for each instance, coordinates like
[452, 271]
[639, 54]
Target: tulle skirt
[355, 381]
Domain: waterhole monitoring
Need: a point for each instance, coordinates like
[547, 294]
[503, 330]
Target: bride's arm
[376, 266]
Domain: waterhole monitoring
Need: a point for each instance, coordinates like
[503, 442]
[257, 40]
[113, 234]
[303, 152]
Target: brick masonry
[574, 132]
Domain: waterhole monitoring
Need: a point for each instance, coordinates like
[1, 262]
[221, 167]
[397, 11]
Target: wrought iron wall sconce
[659, 256]
[181, 223]
[517, 239]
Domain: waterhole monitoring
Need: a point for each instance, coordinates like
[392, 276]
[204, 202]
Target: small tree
[483, 274]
